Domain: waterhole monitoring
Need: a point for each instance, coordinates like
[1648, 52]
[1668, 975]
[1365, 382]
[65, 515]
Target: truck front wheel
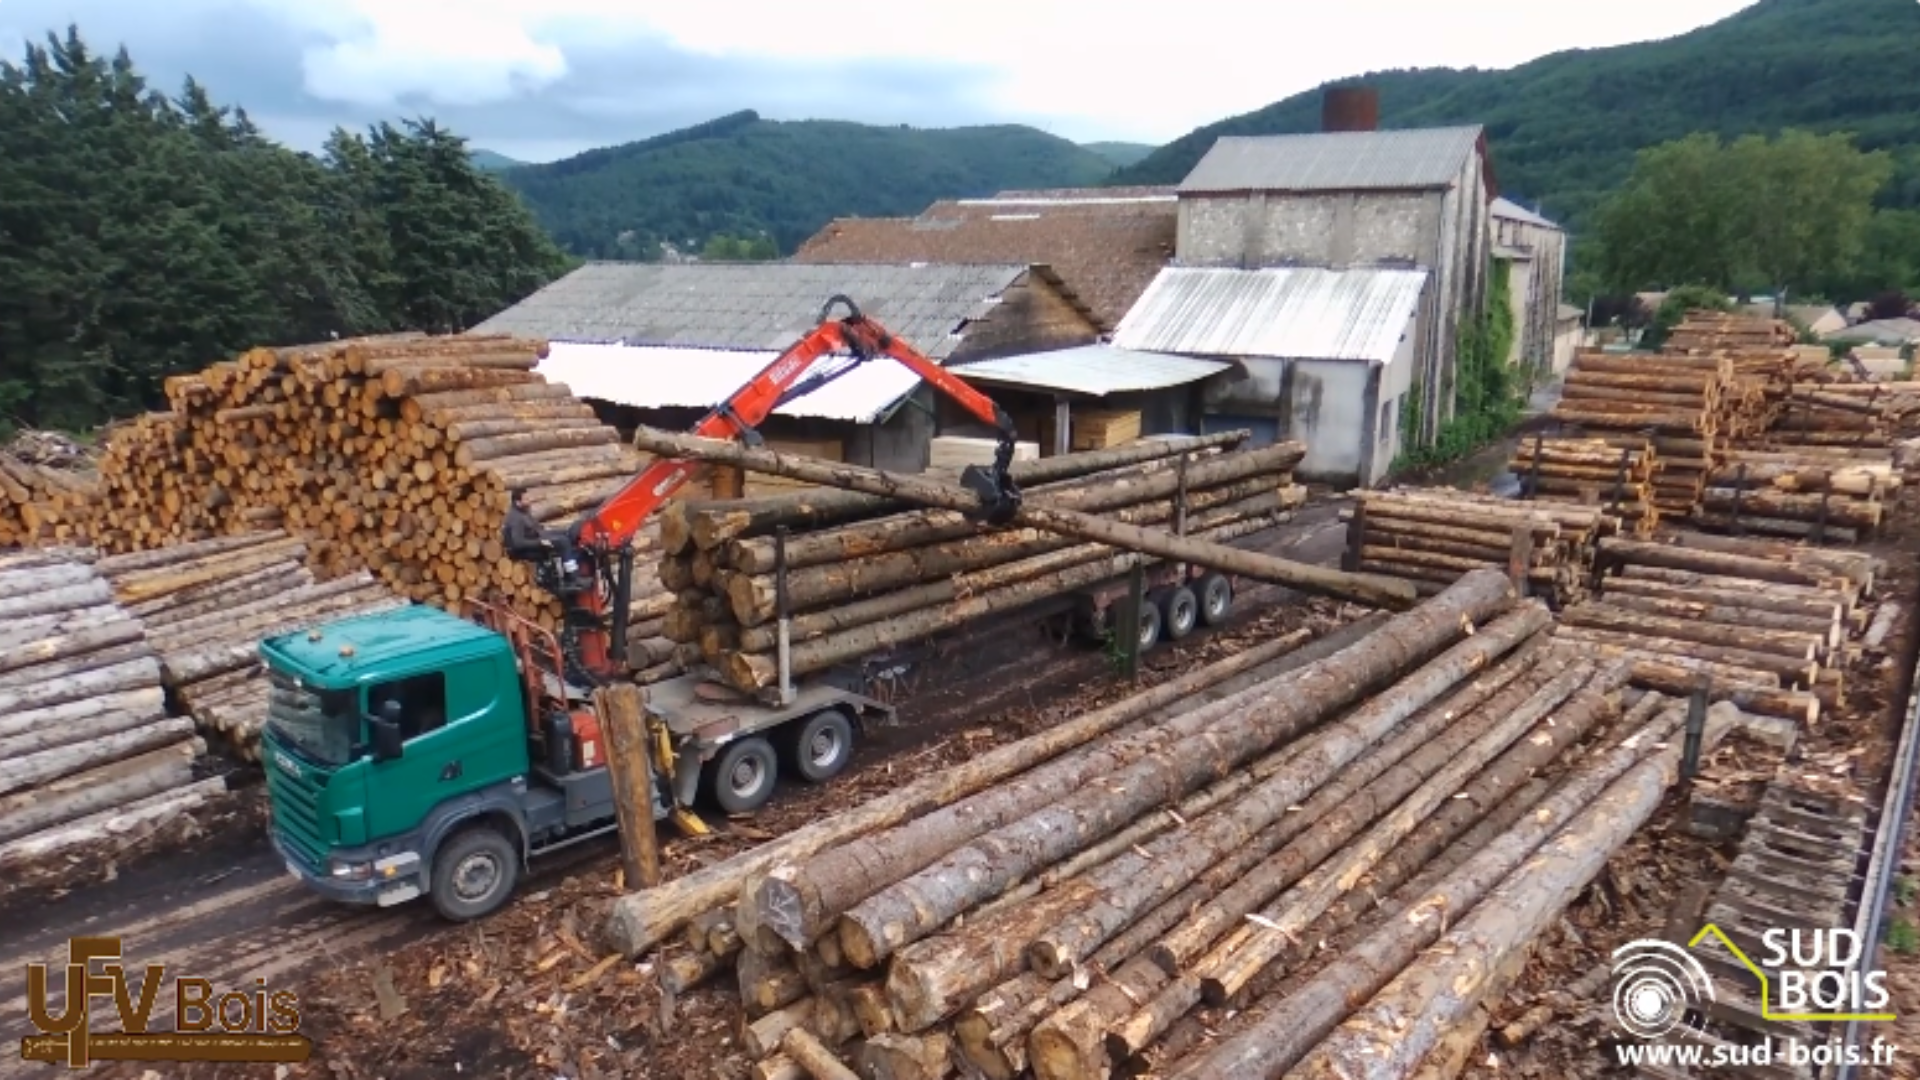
[474, 873]
[742, 776]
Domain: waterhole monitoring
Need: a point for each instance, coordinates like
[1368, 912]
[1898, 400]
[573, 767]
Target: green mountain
[1120, 153]
[741, 176]
[1563, 129]
[489, 161]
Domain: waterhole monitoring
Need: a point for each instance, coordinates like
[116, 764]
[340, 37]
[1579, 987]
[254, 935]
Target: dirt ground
[398, 994]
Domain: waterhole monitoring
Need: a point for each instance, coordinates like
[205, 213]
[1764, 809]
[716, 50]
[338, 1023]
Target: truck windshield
[323, 724]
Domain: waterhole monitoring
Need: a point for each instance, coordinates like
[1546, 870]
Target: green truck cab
[415, 753]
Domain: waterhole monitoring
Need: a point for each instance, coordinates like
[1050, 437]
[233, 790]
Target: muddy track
[227, 910]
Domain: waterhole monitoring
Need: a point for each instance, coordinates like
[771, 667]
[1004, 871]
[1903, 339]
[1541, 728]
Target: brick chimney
[1350, 108]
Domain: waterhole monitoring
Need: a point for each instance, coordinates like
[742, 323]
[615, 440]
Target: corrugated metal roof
[1513, 211]
[1334, 161]
[663, 377]
[1098, 370]
[1293, 313]
[752, 306]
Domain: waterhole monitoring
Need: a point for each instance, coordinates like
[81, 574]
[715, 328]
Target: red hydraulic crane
[591, 566]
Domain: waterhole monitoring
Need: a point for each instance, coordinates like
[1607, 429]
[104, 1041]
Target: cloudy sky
[541, 79]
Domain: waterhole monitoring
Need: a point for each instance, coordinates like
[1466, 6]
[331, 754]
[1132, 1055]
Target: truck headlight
[349, 871]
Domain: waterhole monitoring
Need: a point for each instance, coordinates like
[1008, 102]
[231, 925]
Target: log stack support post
[1533, 471]
[1356, 539]
[1520, 559]
[1739, 494]
[783, 613]
[1136, 598]
[1695, 729]
[1619, 478]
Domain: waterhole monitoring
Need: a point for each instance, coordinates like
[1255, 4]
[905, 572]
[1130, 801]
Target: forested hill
[1564, 128]
[741, 176]
[143, 235]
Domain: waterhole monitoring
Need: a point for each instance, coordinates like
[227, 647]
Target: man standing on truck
[524, 538]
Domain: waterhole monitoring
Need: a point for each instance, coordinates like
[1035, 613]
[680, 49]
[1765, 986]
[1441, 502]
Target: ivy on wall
[1488, 389]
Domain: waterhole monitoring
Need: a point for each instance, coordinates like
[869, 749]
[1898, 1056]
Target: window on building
[1389, 413]
[422, 698]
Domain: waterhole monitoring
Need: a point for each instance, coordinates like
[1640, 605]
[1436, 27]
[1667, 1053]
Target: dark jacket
[522, 533]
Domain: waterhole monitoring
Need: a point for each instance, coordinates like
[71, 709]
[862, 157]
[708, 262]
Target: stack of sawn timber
[1770, 626]
[1825, 494]
[865, 573]
[1074, 901]
[1681, 404]
[44, 504]
[87, 750]
[207, 605]
[394, 455]
[1616, 474]
[1431, 536]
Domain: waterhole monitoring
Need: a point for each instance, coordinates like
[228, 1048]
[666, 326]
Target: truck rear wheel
[820, 746]
[474, 873]
[1182, 611]
[742, 777]
[1216, 596]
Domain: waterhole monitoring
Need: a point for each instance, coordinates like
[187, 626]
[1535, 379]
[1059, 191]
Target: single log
[1788, 670]
[708, 525]
[682, 973]
[1404, 1021]
[815, 1057]
[1700, 561]
[1765, 503]
[779, 1067]
[926, 985]
[763, 1036]
[80, 663]
[640, 920]
[1749, 524]
[1793, 645]
[799, 901]
[28, 721]
[88, 594]
[90, 792]
[121, 678]
[94, 726]
[15, 583]
[1313, 580]
[175, 554]
[1829, 630]
[1755, 596]
[907, 1057]
[39, 768]
[111, 825]
[1796, 705]
[1268, 1047]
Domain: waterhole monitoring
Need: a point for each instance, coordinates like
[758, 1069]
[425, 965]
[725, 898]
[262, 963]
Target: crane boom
[591, 566]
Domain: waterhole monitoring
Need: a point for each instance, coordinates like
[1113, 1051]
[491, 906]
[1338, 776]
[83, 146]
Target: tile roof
[1292, 313]
[1097, 370]
[752, 306]
[1415, 159]
[1104, 251]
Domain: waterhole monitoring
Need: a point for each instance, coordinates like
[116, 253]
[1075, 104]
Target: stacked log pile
[88, 751]
[1685, 406]
[1770, 627]
[47, 491]
[393, 455]
[1431, 536]
[864, 573]
[1824, 494]
[1617, 474]
[206, 605]
[1857, 414]
[1075, 903]
[1703, 329]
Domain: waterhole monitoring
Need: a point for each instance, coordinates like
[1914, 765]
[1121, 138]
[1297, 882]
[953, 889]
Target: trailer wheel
[742, 777]
[1150, 625]
[820, 746]
[1182, 612]
[1216, 596]
[474, 873]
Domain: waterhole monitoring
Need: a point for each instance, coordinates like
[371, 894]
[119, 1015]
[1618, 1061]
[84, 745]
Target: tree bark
[1267, 1048]
[1787, 670]
[1301, 577]
[925, 987]
[1796, 705]
[1391, 1033]
[800, 901]
[1095, 492]
[109, 825]
[50, 601]
[751, 671]
[1762, 503]
[1700, 561]
[763, 1036]
[907, 1057]
[133, 675]
[1830, 631]
[33, 770]
[97, 725]
[708, 525]
[78, 664]
[1793, 645]
[640, 920]
[83, 793]
[17, 583]
[1707, 589]
[814, 1057]
[29, 721]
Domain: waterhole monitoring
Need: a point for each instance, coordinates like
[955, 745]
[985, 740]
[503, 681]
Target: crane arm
[583, 574]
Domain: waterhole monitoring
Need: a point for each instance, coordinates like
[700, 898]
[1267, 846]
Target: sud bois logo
[1810, 975]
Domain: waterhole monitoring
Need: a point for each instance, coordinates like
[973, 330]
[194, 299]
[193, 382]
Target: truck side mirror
[387, 744]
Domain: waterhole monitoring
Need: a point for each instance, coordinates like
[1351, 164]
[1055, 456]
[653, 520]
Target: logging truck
[416, 752]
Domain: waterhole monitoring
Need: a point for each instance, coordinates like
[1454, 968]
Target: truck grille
[295, 788]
